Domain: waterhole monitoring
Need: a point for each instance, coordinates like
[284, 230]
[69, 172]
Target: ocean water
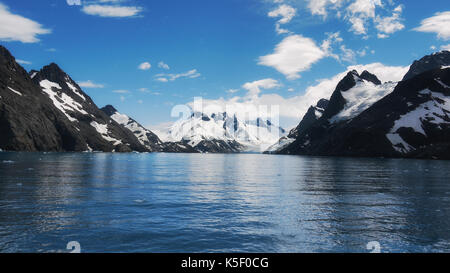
[221, 203]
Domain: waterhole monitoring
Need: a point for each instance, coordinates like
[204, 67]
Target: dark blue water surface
[221, 203]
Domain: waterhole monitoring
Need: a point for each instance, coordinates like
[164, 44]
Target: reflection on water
[221, 203]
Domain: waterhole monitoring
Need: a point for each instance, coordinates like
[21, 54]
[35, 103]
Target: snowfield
[361, 97]
[61, 100]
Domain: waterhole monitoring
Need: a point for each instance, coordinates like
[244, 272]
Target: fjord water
[221, 203]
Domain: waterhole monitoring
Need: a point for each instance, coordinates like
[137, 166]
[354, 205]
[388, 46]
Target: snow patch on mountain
[102, 129]
[61, 100]
[282, 143]
[139, 131]
[75, 90]
[435, 111]
[359, 98]
[14, 91]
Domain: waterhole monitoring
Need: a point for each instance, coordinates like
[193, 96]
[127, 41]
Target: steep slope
[412, 121]
[352, 95]
[313, 114]
[427, 63]
[145, 136]
[223, 133]
[28, 119]
[98, 130]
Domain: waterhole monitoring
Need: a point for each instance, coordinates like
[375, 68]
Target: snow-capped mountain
[100, 132]
[366, 118]
[146, 137]
[47, 111]
[221, 132]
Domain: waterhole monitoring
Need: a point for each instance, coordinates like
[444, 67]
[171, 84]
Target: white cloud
[358, 25]
[389, 25]
[254, 88]
[361, 14]
[121, 91]
[74, 2]
[22, 62]
[319, 7]
[140, 101]
[191, 74]
[364, 8]
[293, 55]
[286, 13]
[111, 11]
[122, 98]
[232, 91]
[145, 90]
[161, 79]
[14, 27]
[347, 55]
[163, 65]
[439, 24]
[90, 84]
[445, 47]
[145, 66]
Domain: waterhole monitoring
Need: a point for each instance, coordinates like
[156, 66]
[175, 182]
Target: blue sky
[283, 52]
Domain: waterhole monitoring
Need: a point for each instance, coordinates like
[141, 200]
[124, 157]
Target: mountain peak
[323, 103]
[348, 81]
[109, 110]
[429, 62]
[5, 54]
[366, 75]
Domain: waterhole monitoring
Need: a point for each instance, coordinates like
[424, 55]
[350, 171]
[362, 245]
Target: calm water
[221, 203]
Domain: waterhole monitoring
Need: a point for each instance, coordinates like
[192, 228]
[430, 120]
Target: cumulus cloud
[254, 88]
[293, 55]
[144, 66]
[191, 74]
[14, 27]
[445, 47]
[390, 24]
[111, 10]
[90, 84]
[439, 24]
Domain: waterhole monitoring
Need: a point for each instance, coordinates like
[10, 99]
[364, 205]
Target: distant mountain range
[367, 118]
[47, 111]
[222, 132]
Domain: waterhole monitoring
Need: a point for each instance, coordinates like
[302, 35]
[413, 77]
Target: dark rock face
[313, 114]
[427, 63]
[48, 111]
[28, 119]
[413, 121]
